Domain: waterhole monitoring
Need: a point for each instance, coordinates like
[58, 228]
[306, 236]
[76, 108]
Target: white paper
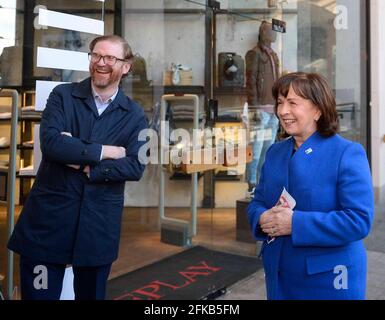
[287, 201]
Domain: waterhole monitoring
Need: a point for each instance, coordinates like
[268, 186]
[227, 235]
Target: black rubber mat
[194, 274]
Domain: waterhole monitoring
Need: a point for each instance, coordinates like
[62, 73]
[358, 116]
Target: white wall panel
[70, 22]
[62, 59]
[43, 89]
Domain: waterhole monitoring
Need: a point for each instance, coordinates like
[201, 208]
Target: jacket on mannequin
[262, 68]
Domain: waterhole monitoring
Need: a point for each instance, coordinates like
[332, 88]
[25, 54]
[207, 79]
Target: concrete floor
[253, 287]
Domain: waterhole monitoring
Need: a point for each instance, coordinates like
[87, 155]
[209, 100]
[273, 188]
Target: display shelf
[226, 177]
[183, 176]
[257, 11]
[165, 11]
[23, 119]
[165, 89]
[223, 91]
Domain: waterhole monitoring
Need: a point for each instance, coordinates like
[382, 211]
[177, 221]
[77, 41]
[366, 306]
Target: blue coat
[69, 218]
[330, 180]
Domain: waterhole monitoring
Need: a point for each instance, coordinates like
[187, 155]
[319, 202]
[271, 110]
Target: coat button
[84, 152]
[105, 180]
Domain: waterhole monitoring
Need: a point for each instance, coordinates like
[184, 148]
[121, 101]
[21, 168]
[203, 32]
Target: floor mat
[194, 274]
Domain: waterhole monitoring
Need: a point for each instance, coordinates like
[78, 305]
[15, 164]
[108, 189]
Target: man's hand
[74, 166]
[277, 221]
[87, 171]
[113, 152]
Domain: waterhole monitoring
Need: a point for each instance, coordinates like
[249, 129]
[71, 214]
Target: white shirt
[100, 104]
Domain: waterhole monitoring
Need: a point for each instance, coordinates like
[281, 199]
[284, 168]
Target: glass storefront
[326, 37]
[204, 51]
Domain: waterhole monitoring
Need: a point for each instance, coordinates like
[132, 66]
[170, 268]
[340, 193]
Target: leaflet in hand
[286, 201]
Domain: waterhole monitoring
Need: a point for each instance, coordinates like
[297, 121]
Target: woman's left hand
[278, 222]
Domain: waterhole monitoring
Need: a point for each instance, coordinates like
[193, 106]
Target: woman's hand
[277, 221]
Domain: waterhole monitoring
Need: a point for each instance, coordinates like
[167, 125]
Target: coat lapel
[278, 169]
[120, 101]
[303, 168]
[83, 91]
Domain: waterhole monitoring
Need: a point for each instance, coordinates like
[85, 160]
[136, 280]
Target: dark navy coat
[330, 180]
[69, 218]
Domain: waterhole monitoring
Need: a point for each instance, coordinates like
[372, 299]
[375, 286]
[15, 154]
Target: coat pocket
[327, 262]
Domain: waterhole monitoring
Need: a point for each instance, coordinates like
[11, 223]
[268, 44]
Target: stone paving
[253, 287]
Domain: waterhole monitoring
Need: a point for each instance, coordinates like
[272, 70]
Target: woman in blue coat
[314, 251]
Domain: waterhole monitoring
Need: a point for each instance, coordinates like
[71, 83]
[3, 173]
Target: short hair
[313, 87]
[127, 52]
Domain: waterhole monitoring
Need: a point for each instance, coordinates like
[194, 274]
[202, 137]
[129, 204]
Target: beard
[104, 77]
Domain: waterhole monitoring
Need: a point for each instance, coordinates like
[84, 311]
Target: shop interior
[197, 49]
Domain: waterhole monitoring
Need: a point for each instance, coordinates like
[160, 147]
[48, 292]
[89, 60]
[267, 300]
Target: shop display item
[231, 69]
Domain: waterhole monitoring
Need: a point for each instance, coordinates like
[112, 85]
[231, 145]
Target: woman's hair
[313, 87]
[127, 52]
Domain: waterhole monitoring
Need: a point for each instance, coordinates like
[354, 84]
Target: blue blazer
[330, 180]
[69, 218]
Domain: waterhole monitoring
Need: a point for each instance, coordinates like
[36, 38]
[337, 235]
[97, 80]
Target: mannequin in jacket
[262, 70]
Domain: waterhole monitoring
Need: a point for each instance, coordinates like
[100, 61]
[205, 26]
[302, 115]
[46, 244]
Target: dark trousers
[44, 281]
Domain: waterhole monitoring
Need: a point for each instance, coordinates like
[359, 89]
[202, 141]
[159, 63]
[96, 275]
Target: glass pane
[318, 35]
[56, 38]
[178, 32]
[11, 43]
[11, 57]
[18, 52]
[171, 41]
[163, 43]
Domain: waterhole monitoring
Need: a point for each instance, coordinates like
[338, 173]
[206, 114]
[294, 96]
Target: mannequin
[262, 70]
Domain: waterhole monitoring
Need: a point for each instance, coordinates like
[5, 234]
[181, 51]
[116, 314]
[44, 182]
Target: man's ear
[126, 68]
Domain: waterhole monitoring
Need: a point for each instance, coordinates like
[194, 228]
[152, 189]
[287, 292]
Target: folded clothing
[28, 143]
[28, 108]
[4, 142]
[5, 115]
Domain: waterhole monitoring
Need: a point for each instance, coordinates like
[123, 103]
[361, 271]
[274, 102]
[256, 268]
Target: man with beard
[89, 142]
